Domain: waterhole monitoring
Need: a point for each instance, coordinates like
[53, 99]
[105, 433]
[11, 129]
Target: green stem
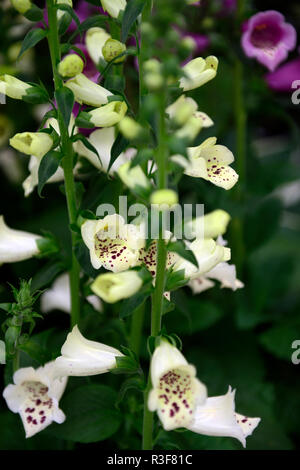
[136, 330]
[67, 161]
[241, 149]
[157, 297]
[16, 361]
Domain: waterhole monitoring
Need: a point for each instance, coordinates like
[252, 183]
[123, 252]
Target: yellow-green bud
[130, 128]
[188, 44]
[154, 81]
[164, 197]
[32, 143]
[70, 66]
[22, 6]
[111, 49]
[112, 287]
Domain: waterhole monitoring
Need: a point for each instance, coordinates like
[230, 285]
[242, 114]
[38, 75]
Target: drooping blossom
[16, 245]
[81, 357]
[35, 395]
[268, 38]
[180, 399]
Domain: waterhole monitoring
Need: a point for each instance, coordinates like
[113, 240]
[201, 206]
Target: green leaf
[118, 147]
[64, 24]
[175, 280]
[46, 275]
[83, 256]
[48, 166]
[34, 13]
[133, 9]
[69, 10]
[87, 144]
[180, 248]
[93, 21]
[31, 39]
[35, 351]
[130, 305]
[65, 100]
[91, 413]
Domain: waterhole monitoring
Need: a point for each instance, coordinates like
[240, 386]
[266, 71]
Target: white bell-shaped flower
[208, 254]
[217, 417]
[16, 245]
[82, 357]
[86, 91]
[35, 395]
[176, 391]
[112, 243]
[225, 273]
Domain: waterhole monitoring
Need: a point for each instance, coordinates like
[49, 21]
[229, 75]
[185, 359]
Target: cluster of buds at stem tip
[112, 49]
[112, 287]
[70, 66]
[153, 77]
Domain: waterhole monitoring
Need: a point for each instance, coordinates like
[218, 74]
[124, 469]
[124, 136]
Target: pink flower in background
[268, 38]
[284, 76]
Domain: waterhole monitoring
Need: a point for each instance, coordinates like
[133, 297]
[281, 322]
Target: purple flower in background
[268, 38]
[284, 76]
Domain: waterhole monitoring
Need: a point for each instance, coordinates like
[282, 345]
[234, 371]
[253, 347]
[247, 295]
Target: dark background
[243, 338]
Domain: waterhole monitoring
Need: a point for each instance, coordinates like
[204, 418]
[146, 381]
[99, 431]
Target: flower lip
[268, 38]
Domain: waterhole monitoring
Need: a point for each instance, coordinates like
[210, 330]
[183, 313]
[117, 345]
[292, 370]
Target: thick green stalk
[136, 329]
[157, 297]
[68, 158]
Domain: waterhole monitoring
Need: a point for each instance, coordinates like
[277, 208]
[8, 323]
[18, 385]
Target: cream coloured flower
[217, 417]
[185, 108]
[112, 243]
[176, 392]
[223, 272]
[58, 297]
[16, 245]
[32, 143]
[82, 357]
[86, 91]
[133, 177]
[108, 115]
[95, 39]
[198, 71]
[210, 162]
[103, 140]
[112, 287]
[210, 225]
[32, 179]
[208, 254]
[13, 87]
[35, 395]
[113, 7]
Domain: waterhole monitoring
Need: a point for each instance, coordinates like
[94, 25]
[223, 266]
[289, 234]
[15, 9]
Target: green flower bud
[111, 49]
[130, 128]
[32, 143]
[112, 287]
[70, 66]
[22, 6]
[164, 197]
